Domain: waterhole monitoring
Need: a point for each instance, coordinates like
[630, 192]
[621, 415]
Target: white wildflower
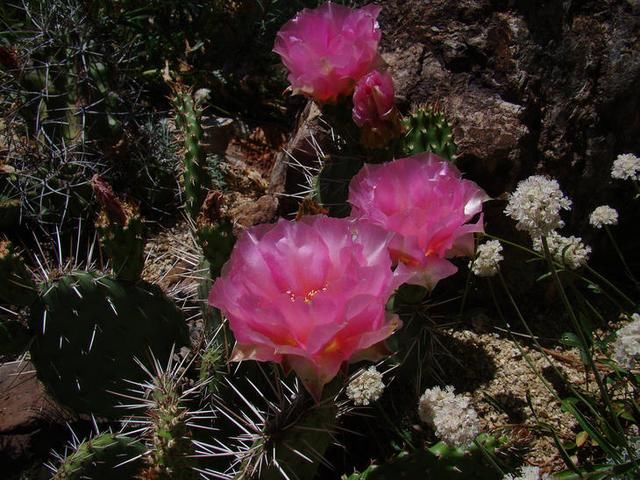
[365, 387]
[626, 348]
[603, 215]
[569, 251]
[202, 95]
[536, 205]
[488, 256]
[527, 473]
[626, 167]
[451, 416]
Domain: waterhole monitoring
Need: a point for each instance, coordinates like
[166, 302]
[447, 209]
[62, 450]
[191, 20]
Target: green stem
[587, 267]
[588, 354]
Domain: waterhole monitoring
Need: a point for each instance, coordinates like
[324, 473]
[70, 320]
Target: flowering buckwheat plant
[536, 205]
[327, 50]
[365, 387]
[310, 294]
[452, 416]
[527, 473]
[486, 263]
[374, 108]
[569, 251]
[626, 348]
[626, 167]
[426, 203]
[603, 215]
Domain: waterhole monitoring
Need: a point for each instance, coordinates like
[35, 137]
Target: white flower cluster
[626, 348]
[365, 387]
[570, 251]
[536, 205]
[626, 167]
[488, 256]
[451, 416]
[527, 473]
[603, 215]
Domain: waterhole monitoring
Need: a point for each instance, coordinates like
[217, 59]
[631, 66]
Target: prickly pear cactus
[16, 285]
[427, 130]
[195, 175]
[89, 328]
[104, 457]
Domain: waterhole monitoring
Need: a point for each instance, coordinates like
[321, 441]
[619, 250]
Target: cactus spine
[427, 130]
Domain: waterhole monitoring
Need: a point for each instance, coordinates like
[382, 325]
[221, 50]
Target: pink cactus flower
[327, 50]
[310, 294]
[374, 109]
[426, 203]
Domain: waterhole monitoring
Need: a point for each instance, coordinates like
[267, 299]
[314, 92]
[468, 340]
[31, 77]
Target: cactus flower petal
[432, 211]
[309, 294]
[327, 49]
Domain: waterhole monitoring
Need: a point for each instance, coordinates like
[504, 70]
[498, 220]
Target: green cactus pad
[102, 458]
[427, 130]
[89, 328]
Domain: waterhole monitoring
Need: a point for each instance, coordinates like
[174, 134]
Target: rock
[549, 88]
[488, 131]
[29, 418]
[253, 212]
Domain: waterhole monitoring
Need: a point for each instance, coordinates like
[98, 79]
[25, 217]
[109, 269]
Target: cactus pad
[89, 328]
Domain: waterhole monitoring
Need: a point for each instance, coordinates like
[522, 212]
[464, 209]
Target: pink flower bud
[327, 50]
[374, 108]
